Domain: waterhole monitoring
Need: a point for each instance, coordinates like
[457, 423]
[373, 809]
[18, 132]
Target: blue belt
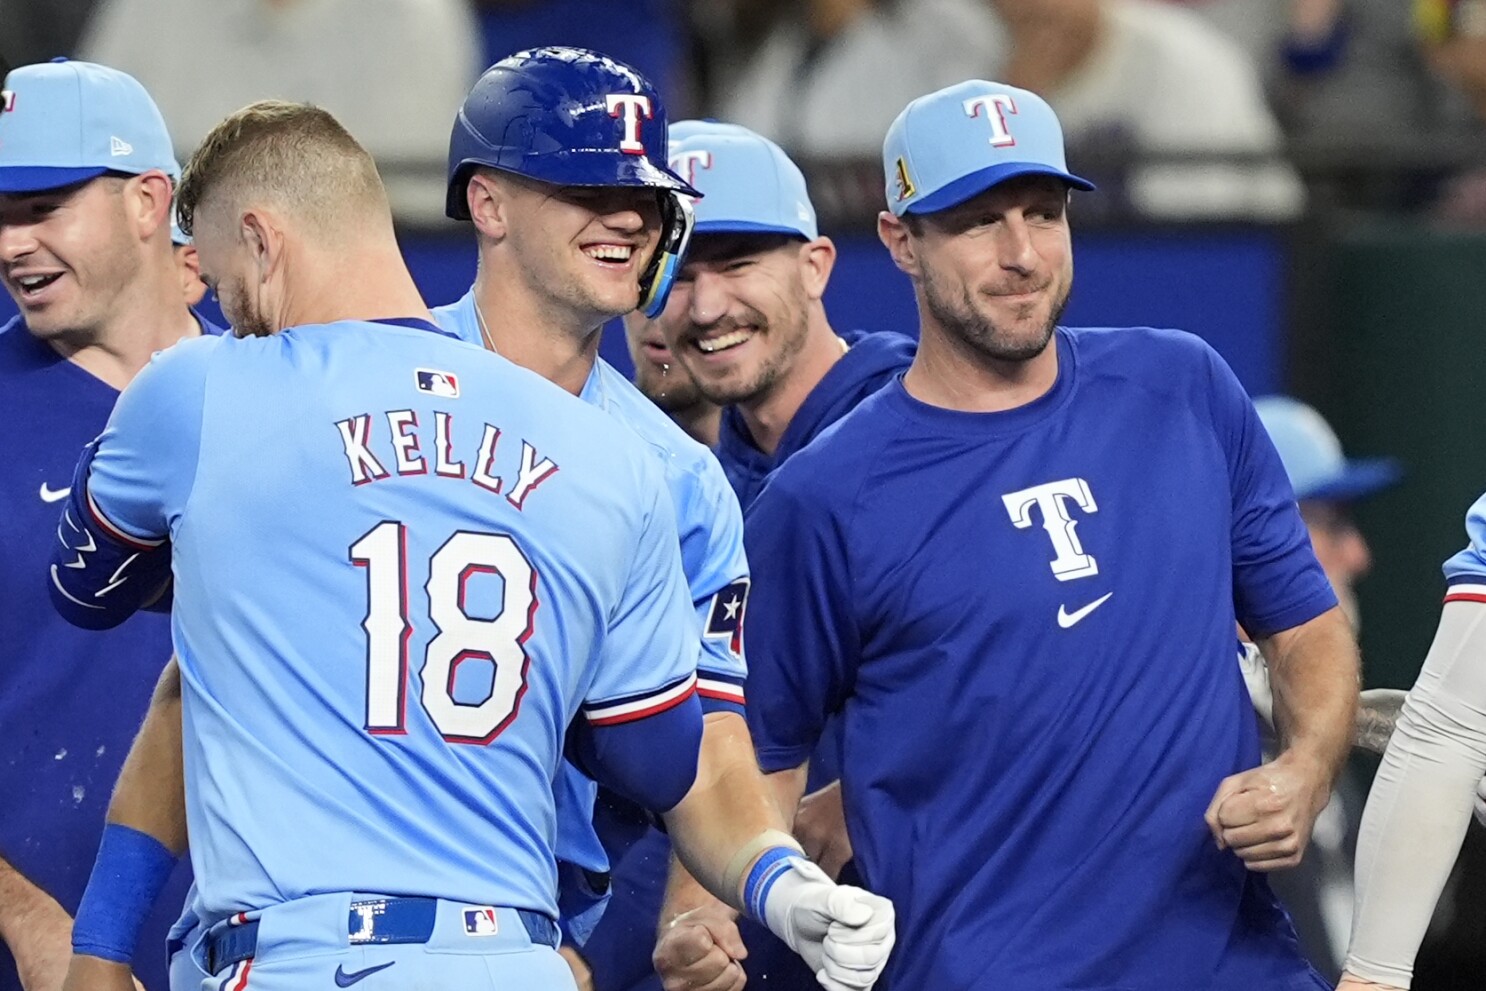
[392, 920]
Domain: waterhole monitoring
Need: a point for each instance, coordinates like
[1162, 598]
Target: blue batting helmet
[573, 117]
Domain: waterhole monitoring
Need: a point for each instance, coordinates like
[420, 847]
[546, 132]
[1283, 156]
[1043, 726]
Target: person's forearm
[1419, 807]
[150, 795]
[728, 807]
[1314, 670]
[20, 902]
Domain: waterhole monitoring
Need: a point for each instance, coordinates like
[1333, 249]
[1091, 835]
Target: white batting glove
[843, 933]
[1481, 801]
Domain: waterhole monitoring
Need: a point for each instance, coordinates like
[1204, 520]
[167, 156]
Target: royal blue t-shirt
[69, 717]
[1025, 621]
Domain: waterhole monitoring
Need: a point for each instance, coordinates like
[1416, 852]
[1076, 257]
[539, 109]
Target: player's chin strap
[676, 223]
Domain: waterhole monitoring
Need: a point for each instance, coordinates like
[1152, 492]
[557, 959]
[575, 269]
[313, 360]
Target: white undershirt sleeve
[1421, 800]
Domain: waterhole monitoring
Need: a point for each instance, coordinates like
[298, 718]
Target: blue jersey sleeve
[650, 649]
[711, 527]
[1277, 582]
[803, 639]
[146, 460]
[642, 724]
[1468, 567]
[130, 487]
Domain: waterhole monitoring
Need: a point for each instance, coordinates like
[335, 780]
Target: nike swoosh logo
[345, 980]
[1067, 619]
[49, 494]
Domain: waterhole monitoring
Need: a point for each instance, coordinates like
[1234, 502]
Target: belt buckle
[362, 926]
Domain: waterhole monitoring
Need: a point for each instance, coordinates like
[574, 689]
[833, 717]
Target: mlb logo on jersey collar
[437, 383]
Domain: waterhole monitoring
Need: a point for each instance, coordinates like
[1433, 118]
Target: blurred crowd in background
[1344, 139]
[1195, 109]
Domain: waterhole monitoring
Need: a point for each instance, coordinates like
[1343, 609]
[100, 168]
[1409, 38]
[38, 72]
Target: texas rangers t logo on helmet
[686, 163]
[997, 106]
[631, 105]
[7, 100]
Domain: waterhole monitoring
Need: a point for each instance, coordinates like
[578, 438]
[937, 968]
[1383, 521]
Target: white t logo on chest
[1052, 499]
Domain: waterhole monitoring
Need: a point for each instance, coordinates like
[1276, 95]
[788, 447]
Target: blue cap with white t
[64, 122]
[959, 141]
[749, 184]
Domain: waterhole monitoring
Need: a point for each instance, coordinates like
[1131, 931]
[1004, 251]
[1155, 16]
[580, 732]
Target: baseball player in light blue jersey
[402, 567]
[580, 220]
[1425, 786]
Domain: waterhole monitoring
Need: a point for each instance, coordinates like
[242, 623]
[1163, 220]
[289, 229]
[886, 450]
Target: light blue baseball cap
[748, 184]
[960, 141]
[64, 122]
[1312, 454]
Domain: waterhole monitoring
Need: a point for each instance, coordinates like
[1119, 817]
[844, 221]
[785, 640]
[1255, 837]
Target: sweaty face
[228, 270]
[67, 256]
[997, 269]
[584, 247]
[1340, 549]
[738, 314]
[657, 373]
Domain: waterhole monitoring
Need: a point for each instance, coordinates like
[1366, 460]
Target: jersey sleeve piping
[629, 708]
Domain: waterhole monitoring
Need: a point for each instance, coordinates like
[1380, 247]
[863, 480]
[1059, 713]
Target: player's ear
[147, 197]
[486, 199]
[264, 242]
[817, 259]
[897, 238]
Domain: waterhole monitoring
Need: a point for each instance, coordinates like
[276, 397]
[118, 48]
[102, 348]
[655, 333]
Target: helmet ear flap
[677, 220]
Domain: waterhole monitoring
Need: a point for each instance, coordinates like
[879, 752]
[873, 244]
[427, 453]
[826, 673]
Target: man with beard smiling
[747, 317]
[747, 324]
[991, 559]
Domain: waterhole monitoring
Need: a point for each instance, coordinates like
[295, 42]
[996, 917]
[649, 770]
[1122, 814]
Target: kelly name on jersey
[379, 445]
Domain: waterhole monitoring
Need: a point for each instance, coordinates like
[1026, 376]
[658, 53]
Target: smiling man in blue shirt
[983, 569]
[86, 176]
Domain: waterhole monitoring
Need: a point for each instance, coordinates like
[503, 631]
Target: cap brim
[40, 178]
[746, 227]
[1358, 479]
[978, 182]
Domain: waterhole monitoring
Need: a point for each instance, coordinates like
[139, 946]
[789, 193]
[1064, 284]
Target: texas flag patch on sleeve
[726, 618]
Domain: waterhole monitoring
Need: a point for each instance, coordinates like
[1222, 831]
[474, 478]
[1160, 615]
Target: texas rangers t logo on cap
[7, 100]
[631, 105]
[686, 163]
[997, 106]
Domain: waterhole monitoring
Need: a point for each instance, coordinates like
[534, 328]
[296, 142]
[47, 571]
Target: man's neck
[516, 325]
[150, 317]
[368, 284]
[769, 414]
[702, 422]
[950, 374]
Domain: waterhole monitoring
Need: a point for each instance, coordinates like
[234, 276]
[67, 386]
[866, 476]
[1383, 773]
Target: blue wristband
[127, 877]
[768, 868]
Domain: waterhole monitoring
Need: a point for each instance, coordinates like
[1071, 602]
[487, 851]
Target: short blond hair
[294, 154]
